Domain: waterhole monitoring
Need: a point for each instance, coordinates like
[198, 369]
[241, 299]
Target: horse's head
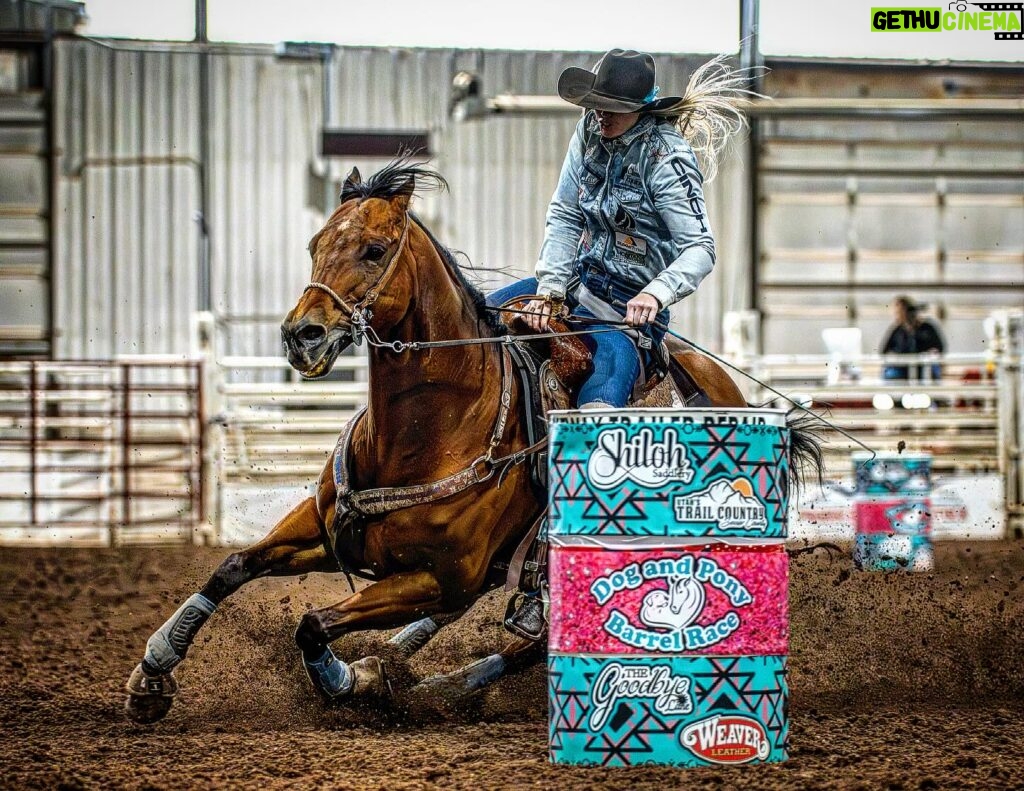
[355, 259]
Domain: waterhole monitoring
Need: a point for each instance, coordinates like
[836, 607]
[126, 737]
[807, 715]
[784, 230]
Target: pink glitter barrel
[668, 569]
[693, 600]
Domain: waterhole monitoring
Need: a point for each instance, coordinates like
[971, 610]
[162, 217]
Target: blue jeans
[616, 362]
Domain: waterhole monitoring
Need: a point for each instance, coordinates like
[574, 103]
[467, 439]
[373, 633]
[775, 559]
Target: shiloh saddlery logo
[726, 739]
[1003, 19]
[647, 461]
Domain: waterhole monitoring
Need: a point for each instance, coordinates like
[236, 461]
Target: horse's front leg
[292, 547]
[391, 602]
[519, 654]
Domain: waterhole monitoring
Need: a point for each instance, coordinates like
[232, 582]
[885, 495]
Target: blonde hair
[711, 109]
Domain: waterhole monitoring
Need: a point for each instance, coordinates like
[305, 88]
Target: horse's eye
[375, 252]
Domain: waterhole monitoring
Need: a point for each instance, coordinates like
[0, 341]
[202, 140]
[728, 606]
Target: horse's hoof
[370, 678]
[147, 709]
[149, 697]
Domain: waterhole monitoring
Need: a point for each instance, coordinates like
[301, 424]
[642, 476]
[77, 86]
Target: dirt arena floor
[898, 682]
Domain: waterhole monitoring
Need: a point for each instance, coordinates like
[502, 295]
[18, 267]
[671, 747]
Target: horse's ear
[404, 193]
[348, 189]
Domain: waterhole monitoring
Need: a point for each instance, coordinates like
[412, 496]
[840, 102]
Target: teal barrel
[892, 512]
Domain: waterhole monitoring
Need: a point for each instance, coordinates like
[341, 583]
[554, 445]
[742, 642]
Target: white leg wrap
[168, 645]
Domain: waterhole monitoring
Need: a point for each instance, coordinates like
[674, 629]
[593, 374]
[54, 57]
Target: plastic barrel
[892, 512]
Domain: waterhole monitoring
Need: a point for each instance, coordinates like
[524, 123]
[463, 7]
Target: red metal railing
[101, 452]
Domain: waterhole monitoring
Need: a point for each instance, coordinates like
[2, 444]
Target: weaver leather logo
[670, 694]
[641, 458]
[727, 504]
[671, 612]
[726, 739]
[1003, 19]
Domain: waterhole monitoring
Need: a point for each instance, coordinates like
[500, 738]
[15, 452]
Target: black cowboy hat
[623, 81]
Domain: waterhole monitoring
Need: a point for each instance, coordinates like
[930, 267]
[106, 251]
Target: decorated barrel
[892, 511]
[668, 580]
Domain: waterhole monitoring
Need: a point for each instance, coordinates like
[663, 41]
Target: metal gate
[100, 453]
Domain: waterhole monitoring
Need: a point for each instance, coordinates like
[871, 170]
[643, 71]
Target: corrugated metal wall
[24, 203]
[855, 211]
[128, 139]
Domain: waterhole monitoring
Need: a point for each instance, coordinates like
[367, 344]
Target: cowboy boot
[529, 619]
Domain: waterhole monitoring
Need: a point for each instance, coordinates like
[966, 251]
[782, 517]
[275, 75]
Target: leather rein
[375, 502]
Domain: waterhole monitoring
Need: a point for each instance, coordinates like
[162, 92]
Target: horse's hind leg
[292, 547]
[417, 634]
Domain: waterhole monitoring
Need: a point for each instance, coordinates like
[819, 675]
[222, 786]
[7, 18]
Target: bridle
[359, 315]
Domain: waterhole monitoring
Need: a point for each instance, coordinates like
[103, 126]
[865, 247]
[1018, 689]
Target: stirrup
[524, 617]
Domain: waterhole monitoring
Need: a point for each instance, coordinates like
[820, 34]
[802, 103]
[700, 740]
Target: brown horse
[421, 511]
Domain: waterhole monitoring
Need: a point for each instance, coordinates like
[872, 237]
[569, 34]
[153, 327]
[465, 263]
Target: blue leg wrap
[169, 644]
[484, 671]
[329, 674]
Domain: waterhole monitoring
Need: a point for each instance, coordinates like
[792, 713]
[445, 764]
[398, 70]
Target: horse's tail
[805, 451]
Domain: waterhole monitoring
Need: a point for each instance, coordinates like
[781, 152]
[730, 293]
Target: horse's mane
[396, 178]
[489, 317]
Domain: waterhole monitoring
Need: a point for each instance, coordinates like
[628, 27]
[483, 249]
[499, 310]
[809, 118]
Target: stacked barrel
[669, 581]
[892, 511]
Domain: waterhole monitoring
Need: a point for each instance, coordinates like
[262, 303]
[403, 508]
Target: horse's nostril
[311, 333]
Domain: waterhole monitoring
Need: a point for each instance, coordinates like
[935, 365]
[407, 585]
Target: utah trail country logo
[672, 612]
[640, 458]
[727, 504]
[726, 739]
[670, 693]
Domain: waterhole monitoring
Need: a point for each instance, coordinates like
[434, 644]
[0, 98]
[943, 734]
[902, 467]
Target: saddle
[570, 361]
[551, 371]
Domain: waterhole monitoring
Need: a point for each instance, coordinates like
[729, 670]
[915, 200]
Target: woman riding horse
[627, 224]
[426, 489]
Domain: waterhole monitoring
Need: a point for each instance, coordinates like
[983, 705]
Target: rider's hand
[539, 311]
[642, 309]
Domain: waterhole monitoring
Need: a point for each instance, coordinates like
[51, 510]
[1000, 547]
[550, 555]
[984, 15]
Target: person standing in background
[911, 334]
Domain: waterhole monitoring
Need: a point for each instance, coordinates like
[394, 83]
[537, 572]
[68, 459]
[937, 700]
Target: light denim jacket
[631, 207]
